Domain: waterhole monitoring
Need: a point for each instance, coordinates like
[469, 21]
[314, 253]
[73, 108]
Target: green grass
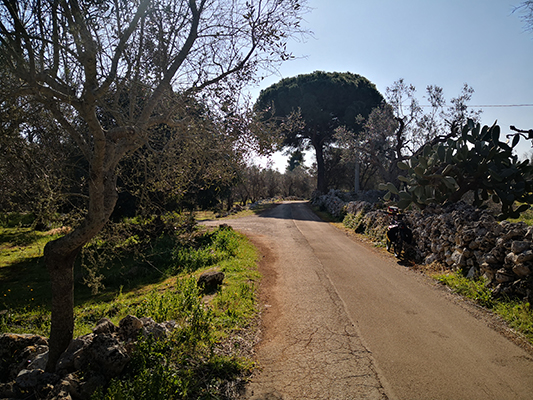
[526, 216]
[188, 364]
[22, 274]
[210, 215]
[518, 314]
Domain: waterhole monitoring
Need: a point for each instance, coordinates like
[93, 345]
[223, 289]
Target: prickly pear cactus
[476, 161]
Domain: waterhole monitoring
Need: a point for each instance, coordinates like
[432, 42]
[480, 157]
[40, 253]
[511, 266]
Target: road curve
[343, 321]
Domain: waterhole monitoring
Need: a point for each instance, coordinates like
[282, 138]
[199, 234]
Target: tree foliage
[256, 183]
[400, 128]
[190, 165]
[439, 121]
[324, 101]
[476, 162]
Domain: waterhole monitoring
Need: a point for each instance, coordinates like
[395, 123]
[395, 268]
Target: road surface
[343, 320]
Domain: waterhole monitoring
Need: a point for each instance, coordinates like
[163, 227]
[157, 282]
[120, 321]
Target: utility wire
[504, 105]
[487, 105]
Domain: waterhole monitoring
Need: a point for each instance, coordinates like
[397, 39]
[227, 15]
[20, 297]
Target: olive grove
[112, 74]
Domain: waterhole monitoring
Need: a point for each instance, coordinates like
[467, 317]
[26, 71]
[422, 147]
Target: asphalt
[342, 320]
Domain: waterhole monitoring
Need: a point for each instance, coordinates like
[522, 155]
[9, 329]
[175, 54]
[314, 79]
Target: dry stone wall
[89, 362]
[457, 235]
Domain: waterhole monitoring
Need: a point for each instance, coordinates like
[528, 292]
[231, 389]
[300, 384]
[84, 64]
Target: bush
[373, 224]
[13, 220]
[208, 250]
[355, 222]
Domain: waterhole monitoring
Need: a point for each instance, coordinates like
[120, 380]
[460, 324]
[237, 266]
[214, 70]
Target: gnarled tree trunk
[60, 256]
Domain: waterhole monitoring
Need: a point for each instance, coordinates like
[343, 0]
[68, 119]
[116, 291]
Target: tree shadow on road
[294, 210]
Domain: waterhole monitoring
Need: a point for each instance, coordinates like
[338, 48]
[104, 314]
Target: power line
[504, 105]
[488, 105]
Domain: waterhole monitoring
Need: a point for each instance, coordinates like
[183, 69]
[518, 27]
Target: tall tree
[324, 101]
[107, 71]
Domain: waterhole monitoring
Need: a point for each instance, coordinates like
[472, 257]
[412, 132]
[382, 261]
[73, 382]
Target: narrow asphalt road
[342, 320]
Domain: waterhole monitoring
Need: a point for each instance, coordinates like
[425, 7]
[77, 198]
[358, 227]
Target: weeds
[473, 289]
[355, 222]
[518, 314]
[373, 225]
[187, 366]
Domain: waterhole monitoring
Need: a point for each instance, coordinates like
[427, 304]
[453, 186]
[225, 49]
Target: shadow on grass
[20, 237]
[26, 283]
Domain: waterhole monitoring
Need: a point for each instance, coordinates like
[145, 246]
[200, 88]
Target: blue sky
[427, 42]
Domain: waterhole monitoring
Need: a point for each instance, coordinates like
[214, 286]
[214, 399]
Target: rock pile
[96, 357]
[331, 203]
[458, 236]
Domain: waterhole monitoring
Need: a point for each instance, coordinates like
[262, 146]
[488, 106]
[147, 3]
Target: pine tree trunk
[320, 170]
[357, 173]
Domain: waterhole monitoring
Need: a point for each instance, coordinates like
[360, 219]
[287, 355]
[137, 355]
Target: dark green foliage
[15, 219]
[340, 171]
[325, 100]
[476, 162]
[296, 160]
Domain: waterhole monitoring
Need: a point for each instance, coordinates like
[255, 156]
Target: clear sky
[427, 42]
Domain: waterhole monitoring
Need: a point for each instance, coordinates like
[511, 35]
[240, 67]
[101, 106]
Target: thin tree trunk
[357, 173]
[321, 184]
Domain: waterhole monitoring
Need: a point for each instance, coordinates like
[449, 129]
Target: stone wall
[457, 236]
[89, 362]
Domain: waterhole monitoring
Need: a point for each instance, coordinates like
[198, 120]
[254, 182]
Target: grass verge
[208, 354]
[518, 314]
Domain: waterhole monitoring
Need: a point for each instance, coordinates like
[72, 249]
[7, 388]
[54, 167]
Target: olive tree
[108, 72]
[401, 127]
[525, 9]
